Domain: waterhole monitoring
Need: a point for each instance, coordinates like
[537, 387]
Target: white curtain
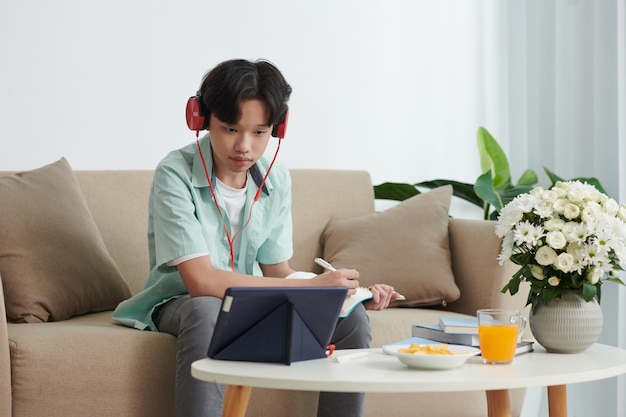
[561, 104]
[621, 152]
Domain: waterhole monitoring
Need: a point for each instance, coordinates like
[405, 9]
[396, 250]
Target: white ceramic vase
[567, 325]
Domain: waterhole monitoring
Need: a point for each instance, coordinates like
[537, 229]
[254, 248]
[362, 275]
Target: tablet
[276, 324]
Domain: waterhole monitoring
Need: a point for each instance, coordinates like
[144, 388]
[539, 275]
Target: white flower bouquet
[570, 237]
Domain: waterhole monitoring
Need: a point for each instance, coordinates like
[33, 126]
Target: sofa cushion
[405, 246]
[53, 261]
[88, 366]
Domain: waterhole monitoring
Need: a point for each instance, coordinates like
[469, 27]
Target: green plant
[492, 190]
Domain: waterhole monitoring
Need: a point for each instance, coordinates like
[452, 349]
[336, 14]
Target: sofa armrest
[474, 249]
[5, 361]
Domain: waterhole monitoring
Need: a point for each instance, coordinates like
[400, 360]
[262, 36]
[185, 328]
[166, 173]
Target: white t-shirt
[234, 201]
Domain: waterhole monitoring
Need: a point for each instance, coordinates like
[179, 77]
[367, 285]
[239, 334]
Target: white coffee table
[379, 372]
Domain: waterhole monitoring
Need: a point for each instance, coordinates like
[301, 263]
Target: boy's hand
[382, 294]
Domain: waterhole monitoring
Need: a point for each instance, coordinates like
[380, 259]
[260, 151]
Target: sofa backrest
[319, 196]
[118, 201]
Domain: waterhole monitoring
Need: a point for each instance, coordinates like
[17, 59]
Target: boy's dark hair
[231, 82]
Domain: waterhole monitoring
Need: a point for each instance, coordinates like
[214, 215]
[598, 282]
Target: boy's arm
[281, 270]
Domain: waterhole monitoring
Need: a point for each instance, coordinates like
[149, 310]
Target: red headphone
[197, 120]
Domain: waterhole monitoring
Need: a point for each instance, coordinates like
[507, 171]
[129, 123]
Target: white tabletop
[379, 372]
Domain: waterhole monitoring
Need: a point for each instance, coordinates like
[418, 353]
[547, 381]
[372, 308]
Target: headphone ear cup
[194, 114]
[280, 127]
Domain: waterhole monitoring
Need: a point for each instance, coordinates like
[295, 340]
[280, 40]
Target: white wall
[388, 87]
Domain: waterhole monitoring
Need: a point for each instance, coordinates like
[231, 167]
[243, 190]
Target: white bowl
[433, 361]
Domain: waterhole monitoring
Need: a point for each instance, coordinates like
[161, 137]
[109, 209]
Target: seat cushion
[89, 366]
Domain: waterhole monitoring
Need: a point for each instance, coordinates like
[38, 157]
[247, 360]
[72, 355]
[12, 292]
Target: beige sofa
[89, 366]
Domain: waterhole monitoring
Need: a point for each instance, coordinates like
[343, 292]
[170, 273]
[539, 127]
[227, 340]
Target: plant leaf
[589, 291]
[529, 178]
[552, 176]
[394, 191]
[484, 189]
[523, 258]
[549, 294]
[493, 158]
[589, 180]
[616, 280]
[461, 190]
[510, 193]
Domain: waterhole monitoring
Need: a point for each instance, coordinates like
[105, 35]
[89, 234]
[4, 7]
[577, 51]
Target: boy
[219, 217]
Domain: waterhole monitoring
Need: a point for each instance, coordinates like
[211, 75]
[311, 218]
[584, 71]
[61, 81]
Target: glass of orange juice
[498, 332]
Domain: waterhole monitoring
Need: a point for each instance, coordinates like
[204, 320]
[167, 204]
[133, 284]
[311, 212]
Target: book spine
[440, 336]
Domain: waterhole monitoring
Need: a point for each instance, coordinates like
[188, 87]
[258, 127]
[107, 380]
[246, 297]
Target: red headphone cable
[230, 239]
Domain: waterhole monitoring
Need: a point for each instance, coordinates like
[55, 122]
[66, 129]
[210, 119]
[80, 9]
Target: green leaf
[394, 191]
[589, 291]
[484, 189]
[523, 258]
[493, 158]
[512, 286]
[616, 280]
[552, 176]
[461, 190]
[549, 294]
[589, 180]
[510, 193]
[528, 178]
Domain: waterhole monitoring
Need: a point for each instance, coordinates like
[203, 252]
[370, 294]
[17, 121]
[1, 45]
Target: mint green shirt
[183, 220]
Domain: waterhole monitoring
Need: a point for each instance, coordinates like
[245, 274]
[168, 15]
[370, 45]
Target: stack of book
[459, 331]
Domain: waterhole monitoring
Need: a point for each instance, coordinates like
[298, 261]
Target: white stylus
[324, 264]
[321, 262]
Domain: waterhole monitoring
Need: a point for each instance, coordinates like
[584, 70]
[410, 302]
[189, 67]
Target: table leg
[236, 401]
[557, 401]
[498, 403]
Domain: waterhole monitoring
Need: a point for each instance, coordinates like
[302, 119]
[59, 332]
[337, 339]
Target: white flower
[554, 224]
[576, 195]
[549, 196]
[571, 211]
[559, 205]
[590, 212]
[593, 275]
[509, 216]
[537, 272]
[545, 256]
[611, 207]
[554, 281]
[527, 233]
[577, 250]
[575, 232]
[556, 240]
[507, 248]
[564, 262]
[543, 210]
[560, 189]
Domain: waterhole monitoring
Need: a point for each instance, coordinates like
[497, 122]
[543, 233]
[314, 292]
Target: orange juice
[498, 341]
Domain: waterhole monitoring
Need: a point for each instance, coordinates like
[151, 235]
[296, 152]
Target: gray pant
[192, 321]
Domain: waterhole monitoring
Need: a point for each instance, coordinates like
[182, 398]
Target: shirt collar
[198, 174]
